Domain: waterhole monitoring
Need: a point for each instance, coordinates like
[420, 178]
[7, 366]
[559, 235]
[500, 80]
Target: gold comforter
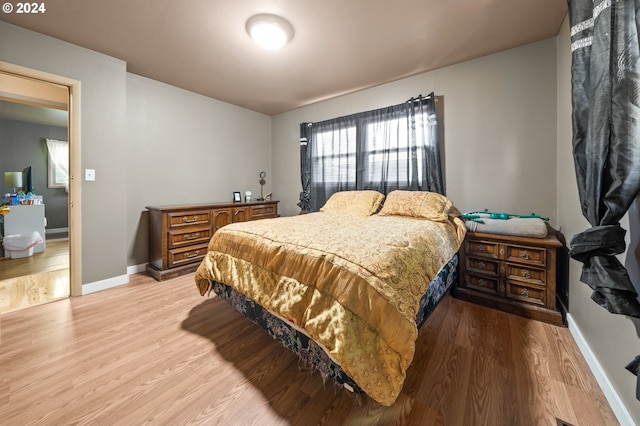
[352, 283]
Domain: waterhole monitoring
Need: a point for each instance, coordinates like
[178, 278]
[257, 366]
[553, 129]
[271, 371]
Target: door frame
[75, 170]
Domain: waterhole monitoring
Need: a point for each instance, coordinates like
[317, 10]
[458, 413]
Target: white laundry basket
[21, 245]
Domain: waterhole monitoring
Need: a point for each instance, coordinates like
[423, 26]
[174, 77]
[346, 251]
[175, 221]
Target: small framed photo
[237, 197]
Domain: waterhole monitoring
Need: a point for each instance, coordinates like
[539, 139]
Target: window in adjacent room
[58, 169]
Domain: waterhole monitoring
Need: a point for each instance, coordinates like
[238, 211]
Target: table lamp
[13, 180]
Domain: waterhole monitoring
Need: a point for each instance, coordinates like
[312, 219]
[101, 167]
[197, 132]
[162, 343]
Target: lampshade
[13, 179]
[269, 31]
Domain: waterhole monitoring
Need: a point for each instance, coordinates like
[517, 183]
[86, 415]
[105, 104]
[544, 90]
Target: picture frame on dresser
[237, 197]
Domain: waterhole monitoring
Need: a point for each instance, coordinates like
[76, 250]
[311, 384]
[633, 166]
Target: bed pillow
[358, 203]
[419, 204]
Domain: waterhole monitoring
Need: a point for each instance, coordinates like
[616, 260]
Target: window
[58, 168]
[334, 158]
[386, 149]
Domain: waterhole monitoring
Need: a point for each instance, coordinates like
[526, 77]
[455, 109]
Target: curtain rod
[418, 100]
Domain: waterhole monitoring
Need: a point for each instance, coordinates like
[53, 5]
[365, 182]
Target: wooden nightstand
[513, 274]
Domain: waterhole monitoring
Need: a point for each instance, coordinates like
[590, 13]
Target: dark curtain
[305, 172]
[396, 147]
[606, 141]
[606, 144]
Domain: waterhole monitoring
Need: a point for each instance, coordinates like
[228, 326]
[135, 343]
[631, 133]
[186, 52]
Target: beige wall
[613, 339]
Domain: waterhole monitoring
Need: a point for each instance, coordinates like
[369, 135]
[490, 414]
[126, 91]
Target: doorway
[34, 88]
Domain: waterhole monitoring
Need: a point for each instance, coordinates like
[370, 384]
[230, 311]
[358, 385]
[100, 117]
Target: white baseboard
[104, 284]
[113, 282]
[609, 391]
[136, 269]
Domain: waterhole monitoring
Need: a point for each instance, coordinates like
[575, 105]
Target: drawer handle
[186, 219]
[502, 288]
[481, 282]
[525, 255]
[192, 236]
[526, 274]
[480, 248]
[524, 292]
[188, 255]
[501, 252]
[482, 265]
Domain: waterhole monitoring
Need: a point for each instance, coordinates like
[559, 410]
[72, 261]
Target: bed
[345, 288]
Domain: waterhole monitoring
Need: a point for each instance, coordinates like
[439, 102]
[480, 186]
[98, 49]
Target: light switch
[89, 175]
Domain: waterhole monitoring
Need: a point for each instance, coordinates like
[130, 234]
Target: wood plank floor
[36, 279]
[157, 353]
[54, 258]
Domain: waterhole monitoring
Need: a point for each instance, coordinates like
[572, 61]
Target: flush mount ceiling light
[269, 31]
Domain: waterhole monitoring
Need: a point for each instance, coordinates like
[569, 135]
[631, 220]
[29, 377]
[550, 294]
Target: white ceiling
[339, 46]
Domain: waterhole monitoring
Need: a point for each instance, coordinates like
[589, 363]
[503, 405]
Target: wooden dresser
[513, 274]
[179, 235]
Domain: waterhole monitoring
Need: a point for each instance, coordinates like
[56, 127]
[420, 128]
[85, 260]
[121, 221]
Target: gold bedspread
[352, 283]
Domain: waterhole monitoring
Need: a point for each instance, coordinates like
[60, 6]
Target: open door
[35, 88]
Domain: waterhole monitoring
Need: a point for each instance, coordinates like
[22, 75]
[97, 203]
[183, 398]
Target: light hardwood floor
[157, 353]
[40, 278]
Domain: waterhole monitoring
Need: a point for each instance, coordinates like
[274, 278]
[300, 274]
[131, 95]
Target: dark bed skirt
[311, 355]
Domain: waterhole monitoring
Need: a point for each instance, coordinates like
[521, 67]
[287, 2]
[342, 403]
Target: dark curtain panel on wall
[606, 141]
[305, 173]
[396, 147]
[605, 77]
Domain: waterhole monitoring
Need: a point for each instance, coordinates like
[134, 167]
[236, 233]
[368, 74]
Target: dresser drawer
[482, 248]
[189, 218]
[529, 255]
[524, 273]
[484, 284]
[264, 211]
[186, 255]
[482, 266]
[188, 236]
[522, 293]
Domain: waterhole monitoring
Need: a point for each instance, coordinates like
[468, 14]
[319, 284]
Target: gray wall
[145, 155]
[499, 122]
[23, 144]
[613, 339]
[186, 148]
[102, 113]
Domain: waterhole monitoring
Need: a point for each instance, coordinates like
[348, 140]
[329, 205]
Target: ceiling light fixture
[269, 31]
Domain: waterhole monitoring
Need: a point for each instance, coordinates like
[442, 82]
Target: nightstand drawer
[484, 284]
[482, 266]
[529, 255]
[524, 273]
[527, 294]
[188, 218]
[482, 248]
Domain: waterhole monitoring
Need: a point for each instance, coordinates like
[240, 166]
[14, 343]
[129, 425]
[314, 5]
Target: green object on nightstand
[478, 216]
